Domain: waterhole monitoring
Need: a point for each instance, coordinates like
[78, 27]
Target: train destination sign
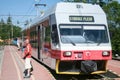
[81, 18]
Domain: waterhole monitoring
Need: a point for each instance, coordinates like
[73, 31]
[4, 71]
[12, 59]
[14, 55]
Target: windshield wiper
[68, 39]
[99, 42]
[71, 41]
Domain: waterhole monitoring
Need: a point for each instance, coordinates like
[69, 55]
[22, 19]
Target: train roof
[68, 7]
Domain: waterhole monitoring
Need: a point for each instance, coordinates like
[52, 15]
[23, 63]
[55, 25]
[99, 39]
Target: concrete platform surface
[12, 66]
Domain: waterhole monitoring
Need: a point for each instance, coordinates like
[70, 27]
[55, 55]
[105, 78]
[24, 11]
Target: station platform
[12, 66]
[114, 66]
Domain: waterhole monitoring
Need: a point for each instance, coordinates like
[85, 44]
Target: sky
[22, 10]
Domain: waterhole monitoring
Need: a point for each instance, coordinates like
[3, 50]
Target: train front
[84, 48]
[84, 44]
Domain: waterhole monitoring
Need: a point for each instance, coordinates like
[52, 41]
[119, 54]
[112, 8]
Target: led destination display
[81, 18]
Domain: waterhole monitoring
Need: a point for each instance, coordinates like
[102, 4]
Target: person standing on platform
[27, 57]
[18, 43]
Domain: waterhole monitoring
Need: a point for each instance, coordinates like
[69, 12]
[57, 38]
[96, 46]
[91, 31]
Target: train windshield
[83, 34]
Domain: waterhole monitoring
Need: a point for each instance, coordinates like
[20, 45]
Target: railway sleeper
[82, 67]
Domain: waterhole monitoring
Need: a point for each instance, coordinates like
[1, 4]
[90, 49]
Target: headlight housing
[67, 54]
[106, 53]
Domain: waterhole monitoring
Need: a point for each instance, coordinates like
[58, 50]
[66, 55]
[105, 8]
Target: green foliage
[113, 16]
[8, 29]
[113, 13]
[115, 39]
[9, 21]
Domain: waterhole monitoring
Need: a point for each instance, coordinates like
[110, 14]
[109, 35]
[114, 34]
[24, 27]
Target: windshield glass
[83, 34]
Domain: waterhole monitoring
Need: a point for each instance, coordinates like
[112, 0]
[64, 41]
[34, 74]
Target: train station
[71, 40]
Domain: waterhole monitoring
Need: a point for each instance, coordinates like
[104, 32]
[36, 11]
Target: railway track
[106, 76]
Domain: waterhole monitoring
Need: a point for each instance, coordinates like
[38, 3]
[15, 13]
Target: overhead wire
[28, 16]
[29, 10]
[22, 16]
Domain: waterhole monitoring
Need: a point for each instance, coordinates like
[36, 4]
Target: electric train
[71, 38]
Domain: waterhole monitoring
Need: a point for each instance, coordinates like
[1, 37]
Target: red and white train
[71, 38]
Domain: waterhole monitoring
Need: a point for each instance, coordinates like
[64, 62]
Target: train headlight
[67, 54]
[106, 53]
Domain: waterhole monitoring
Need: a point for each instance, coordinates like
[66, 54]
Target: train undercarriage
[81, 67]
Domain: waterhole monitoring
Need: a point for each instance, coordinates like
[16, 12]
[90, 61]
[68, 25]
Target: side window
[33, 40]
[54, 34]
[47, 34]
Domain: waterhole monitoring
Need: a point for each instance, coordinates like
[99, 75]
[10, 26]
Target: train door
[54, 32]
[40, 40]
[38, 56]
[55, 38]
[49, 44]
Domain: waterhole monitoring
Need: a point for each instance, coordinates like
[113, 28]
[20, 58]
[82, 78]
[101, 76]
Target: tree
[112, 11]
[2, 21]
[9, 20]
[7, 28]
[115, 40]
[101, 3]
[16, 31]
[1, 24]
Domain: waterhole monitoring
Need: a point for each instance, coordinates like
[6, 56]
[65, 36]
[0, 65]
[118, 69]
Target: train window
[71, 30]
[54, 34]
[47, 34]
[95, 34]
[83, 34]
[33, 40]
[71, 34]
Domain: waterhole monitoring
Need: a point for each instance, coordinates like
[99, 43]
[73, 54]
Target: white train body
[69, 27]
